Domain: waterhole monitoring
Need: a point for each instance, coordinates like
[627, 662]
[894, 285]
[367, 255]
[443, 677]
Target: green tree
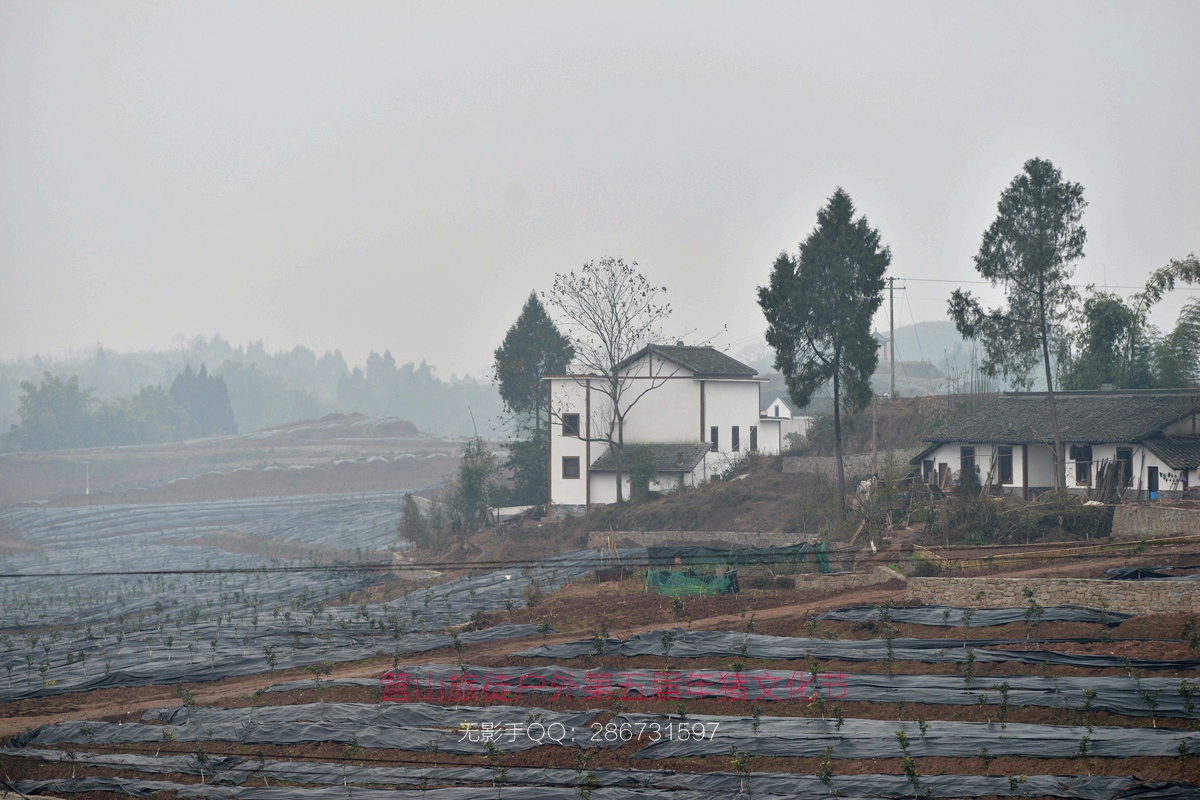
[206, 398]
[1161, 281]
[413, 525]
[819, 305]
[55, 415]
[532, 349]
[1115, 343]
[527, 458]
[468, 499]
[611, 311]
[1029, 250]
[1103, 340]
[642, 471]
[1175, 362]
[149, 416]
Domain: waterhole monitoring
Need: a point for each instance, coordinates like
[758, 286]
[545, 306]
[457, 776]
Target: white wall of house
[568, 397]
[1041, 468]
[778, 409]
[730, 404]
[604, 484]
[670, 412]
[770, 435]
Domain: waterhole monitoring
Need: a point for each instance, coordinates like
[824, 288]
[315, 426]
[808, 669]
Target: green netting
[677, 584]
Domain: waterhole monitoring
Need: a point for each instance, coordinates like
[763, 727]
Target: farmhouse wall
[1135, 522]
[1131, 597]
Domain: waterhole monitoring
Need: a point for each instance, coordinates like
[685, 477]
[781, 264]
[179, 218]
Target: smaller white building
[695, 408]
[1135, 444]
[787, 421]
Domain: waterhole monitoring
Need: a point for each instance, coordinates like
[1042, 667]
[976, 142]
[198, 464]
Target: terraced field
[759, 697]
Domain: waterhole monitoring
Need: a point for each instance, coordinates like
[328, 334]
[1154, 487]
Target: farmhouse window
[1081, 454]
[966, 463]
[1004, 465]
[570, 424]
[570, 467]
[735, 438]
[712, 435]
[927, 470]
[753, 438]
[1125, 466]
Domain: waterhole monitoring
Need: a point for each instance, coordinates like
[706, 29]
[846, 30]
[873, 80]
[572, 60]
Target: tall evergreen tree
[532, 349]
[1029, 250]
[206, 398]
[819, 305]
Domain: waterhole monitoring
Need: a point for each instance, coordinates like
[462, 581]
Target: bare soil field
[339, 453]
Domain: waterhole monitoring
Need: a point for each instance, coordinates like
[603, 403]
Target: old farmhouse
[1135, 444]
[697, 410]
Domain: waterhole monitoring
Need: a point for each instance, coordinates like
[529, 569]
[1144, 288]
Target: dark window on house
[753, 438]
[966, 463]
[735, 438]
[1081, 454]
[570, 466]
[927, 470]
[1125, 466]
[570, 424]
[712, 436]
[1004, 465]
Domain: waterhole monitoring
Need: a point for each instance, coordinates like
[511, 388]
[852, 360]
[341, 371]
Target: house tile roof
[1176, 452]
[667, 457]
[706, 361]
[1083, 417]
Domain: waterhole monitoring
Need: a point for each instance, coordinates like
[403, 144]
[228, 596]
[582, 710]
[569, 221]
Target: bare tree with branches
[611, 311]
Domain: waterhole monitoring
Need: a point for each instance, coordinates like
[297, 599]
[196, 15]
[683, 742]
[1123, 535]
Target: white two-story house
[697, 409]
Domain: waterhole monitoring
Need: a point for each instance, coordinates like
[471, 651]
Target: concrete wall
[1134, 522]
[1131, 597]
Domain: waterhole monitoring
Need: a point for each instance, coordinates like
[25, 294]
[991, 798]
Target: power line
[1075, 285]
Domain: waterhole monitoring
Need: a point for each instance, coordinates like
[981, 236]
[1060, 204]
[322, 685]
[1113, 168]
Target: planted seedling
[987, 759]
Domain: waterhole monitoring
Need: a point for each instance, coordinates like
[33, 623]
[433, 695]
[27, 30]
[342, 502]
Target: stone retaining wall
[858, 464]
[1134, 522]
[1130, 597]
[846, 580]
[698, 538]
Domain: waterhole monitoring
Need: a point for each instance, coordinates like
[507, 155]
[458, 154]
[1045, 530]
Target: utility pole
[892, 330]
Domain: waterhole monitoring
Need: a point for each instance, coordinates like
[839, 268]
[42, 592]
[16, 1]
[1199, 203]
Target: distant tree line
[57, 414]
[273, 388]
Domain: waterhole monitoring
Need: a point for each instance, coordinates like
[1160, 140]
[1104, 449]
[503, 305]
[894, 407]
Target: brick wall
[1131, 597]
[1133, 522]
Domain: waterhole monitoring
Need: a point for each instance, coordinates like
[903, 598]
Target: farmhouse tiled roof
[1091, 417]
[667, 457]
[1176, 452]
[705, 362]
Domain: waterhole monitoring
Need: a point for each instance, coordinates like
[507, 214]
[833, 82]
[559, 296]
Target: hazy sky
[386, 175]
